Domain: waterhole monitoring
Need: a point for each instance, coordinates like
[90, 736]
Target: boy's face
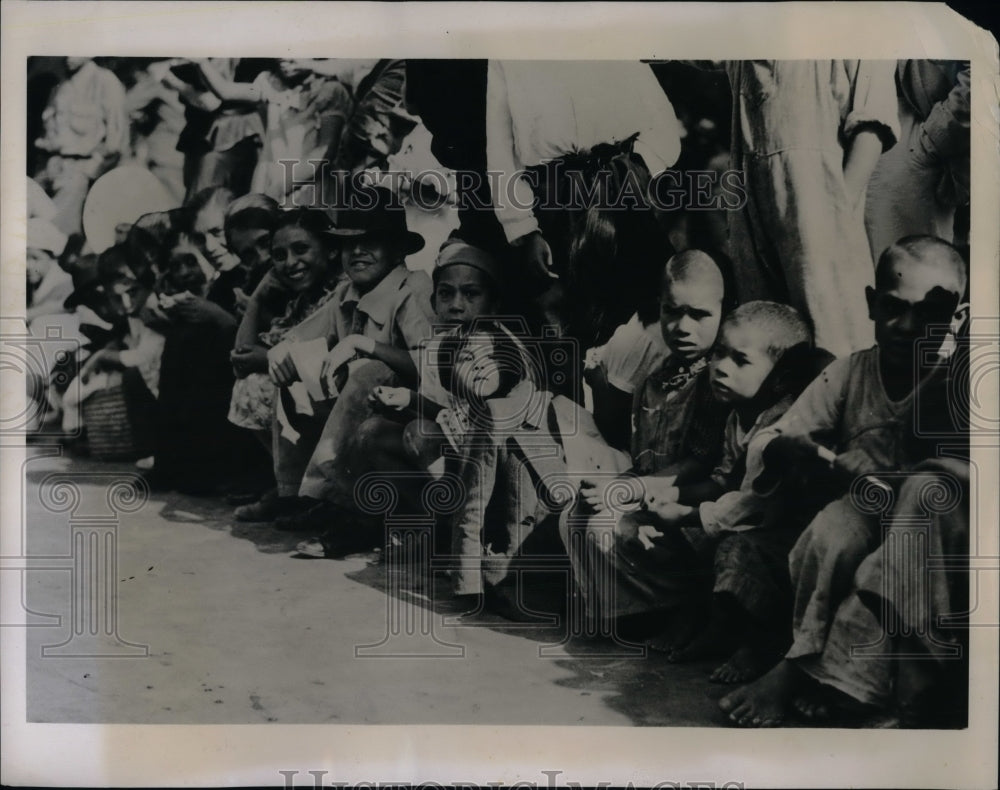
[740, 363]
[368, 259]
[462, 294]
[690, 311]
[925, 293]
[210, 223]
[476, 369]
[186, 269]
[38, 263]
[129, 295]
[251, 245]
[300, 259]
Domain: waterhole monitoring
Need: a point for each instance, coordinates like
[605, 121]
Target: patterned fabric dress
[252, 405]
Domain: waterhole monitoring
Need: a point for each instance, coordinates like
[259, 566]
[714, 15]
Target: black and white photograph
[410, 384]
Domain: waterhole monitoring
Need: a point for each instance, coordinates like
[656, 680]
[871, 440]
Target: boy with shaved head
[854, 420]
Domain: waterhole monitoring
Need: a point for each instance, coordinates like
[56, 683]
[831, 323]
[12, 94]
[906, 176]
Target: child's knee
[369, 432]
[840, 531]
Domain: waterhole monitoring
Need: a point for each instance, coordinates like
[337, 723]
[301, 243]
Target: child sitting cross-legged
[763, 359]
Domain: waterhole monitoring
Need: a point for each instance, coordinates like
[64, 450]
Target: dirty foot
[679, 631]
[764, 702]
[822, 703]
[716, 640]
[746, 664]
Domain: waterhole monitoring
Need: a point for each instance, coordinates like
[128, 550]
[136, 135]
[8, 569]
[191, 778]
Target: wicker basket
[109, 433]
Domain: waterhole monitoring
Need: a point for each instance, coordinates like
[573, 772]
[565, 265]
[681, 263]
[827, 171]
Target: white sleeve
[512, 197]
[659, 141]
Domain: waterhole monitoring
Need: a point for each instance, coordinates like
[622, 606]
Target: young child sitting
[197, 450]
[365, 336]
[517, 448]
[854, 420]
[466, 290]
[676, 440]
[762, 361]
[306, 270]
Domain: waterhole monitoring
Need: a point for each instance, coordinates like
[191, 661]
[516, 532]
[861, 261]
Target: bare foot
[680, 631]
[764, 702]
[821, 703]
[812, 706]
[746, 664]
[716, 640]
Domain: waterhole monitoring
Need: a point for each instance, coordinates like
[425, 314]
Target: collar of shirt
[675, 372]
[524, 401]
[379, 302]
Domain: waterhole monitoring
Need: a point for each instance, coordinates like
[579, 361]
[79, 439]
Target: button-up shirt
[86, 114]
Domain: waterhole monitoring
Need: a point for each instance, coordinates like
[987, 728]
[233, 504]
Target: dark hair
[314, 220]
[250, 212]
[118, 260]
[507, 351]
[205, 197]
[615, 255]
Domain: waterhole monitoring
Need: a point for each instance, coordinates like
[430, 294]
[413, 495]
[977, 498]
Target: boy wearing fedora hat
[373, 326]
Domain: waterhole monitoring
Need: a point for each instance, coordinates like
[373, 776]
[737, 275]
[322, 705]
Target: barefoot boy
[762, 361]
[860, 409]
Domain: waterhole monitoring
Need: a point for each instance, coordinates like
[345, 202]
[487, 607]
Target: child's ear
[870, 296]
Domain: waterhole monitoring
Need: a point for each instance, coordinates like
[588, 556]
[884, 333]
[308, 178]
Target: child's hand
[855, 463]
[281, 368]
[344, 352]
[670, 513]
[790, 452]
[618, 493]
[249, 359]
[93, 365]
[395, 398]
[659, 491]
[648, 536]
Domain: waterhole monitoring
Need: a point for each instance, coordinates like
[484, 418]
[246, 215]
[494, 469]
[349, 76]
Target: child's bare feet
[681, 629]
[820, 703]
[812, 706]
[747, 663]
[716, 640]
[764, 702]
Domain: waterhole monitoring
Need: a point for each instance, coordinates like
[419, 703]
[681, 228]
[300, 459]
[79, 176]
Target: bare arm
[862, 155]
[227, 90]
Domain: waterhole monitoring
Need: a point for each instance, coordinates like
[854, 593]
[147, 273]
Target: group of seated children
[733, 527]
